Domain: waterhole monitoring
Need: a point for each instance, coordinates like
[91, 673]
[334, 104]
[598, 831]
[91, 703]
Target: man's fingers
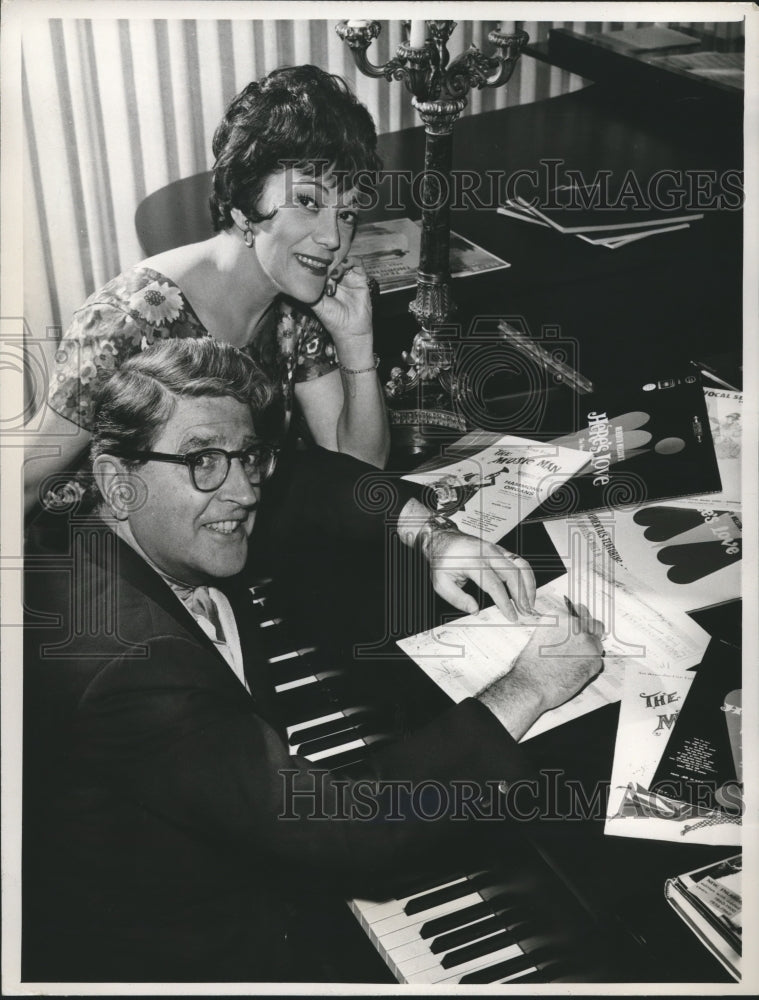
[517, 573]
[588, 623]
[492, 584]
[444, 585]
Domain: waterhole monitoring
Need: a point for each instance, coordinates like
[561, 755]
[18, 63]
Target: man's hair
[132, 406]
[298, 116]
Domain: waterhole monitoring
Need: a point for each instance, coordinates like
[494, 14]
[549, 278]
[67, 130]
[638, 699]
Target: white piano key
[294, 730]
[400, 920]
[376, 910]
[333, 751]
[506, 979]
[519, 975]
[409, 933]
[300, 682]
[432, 974]
[304, 651]
[422, 946]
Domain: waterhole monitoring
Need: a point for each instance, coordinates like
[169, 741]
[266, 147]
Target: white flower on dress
[87, 372]
[63, 496]
[158, 303]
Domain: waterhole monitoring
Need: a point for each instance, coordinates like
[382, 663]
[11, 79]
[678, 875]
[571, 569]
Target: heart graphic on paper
[696, 560]
[662, 523]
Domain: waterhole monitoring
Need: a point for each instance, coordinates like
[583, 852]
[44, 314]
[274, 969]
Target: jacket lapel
[114, 557]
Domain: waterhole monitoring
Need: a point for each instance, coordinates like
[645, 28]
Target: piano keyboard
[478, 928]
[447, 935]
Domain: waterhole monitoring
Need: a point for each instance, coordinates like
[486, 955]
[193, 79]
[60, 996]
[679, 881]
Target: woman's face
[309, 235]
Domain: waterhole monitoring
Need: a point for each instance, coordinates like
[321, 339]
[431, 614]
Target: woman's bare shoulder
[184, 263]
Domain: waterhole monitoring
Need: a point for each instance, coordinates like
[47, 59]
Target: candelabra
[438, 87]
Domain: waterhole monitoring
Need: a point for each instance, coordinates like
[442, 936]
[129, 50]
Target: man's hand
[456, 558]
[557, 663]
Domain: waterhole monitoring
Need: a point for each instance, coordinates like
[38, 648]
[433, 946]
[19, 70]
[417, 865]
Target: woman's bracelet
[360, 371]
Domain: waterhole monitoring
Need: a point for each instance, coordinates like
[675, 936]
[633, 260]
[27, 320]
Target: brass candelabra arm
[358, 36]
[474, 69]
[415, 67]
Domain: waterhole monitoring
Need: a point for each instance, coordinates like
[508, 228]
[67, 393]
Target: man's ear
[122, 488]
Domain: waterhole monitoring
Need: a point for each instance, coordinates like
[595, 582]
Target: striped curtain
[117, 108]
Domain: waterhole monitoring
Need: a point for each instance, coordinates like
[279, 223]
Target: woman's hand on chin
[347, 314]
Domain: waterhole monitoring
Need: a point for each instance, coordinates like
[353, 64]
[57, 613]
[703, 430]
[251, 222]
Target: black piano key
[414, 885]
[437, 896]
[336, 739]
[300, 704]
[465, 935]
[342, 760]
[477, 950]
[294, 669]
[450, 921]
[493, 973]
[322, 729]
[357, 722]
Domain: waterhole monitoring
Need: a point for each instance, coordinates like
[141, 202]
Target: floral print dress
[142, 306]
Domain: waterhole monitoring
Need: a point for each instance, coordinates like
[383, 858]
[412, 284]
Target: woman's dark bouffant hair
[298, 115]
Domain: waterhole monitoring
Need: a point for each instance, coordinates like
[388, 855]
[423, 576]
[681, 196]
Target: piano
[521, 919]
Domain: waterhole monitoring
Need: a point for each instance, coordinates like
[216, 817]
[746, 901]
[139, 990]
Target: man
[167, 828]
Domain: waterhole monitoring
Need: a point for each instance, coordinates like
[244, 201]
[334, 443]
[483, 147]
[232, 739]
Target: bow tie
[200, 604]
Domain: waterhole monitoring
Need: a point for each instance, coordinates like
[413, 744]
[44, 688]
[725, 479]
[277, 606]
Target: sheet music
[489, 493]
[467, 655]
[651, 701]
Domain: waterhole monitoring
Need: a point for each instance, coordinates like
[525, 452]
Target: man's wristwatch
[434, 525]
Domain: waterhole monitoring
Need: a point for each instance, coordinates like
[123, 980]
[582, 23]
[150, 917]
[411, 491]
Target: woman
[275, 279]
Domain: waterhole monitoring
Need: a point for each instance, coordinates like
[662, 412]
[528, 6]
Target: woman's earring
[249, 236]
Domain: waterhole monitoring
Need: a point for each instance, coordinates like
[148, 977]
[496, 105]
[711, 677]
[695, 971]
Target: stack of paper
[582, 211]
[689, 548]
[389, 251]
[677, 771]
[710, 901]
[646, 38]
[720, 67]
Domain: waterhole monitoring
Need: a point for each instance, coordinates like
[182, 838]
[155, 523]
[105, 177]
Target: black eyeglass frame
[265, 469]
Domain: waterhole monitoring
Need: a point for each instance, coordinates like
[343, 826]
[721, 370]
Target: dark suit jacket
[155, 847]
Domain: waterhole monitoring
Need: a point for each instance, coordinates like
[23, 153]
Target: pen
[708, 372]
[571, 608]
[522, 342]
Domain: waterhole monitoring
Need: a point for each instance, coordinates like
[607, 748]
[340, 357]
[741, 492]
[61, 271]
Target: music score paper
[467, 655]
[651, 700]
[490, 492]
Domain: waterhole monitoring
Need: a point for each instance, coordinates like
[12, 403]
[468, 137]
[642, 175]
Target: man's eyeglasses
[209, 467]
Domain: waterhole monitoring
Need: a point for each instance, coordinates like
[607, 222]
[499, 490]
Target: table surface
[635, 312]
[641, 307]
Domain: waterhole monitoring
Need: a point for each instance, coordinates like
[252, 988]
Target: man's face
[192, 536]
